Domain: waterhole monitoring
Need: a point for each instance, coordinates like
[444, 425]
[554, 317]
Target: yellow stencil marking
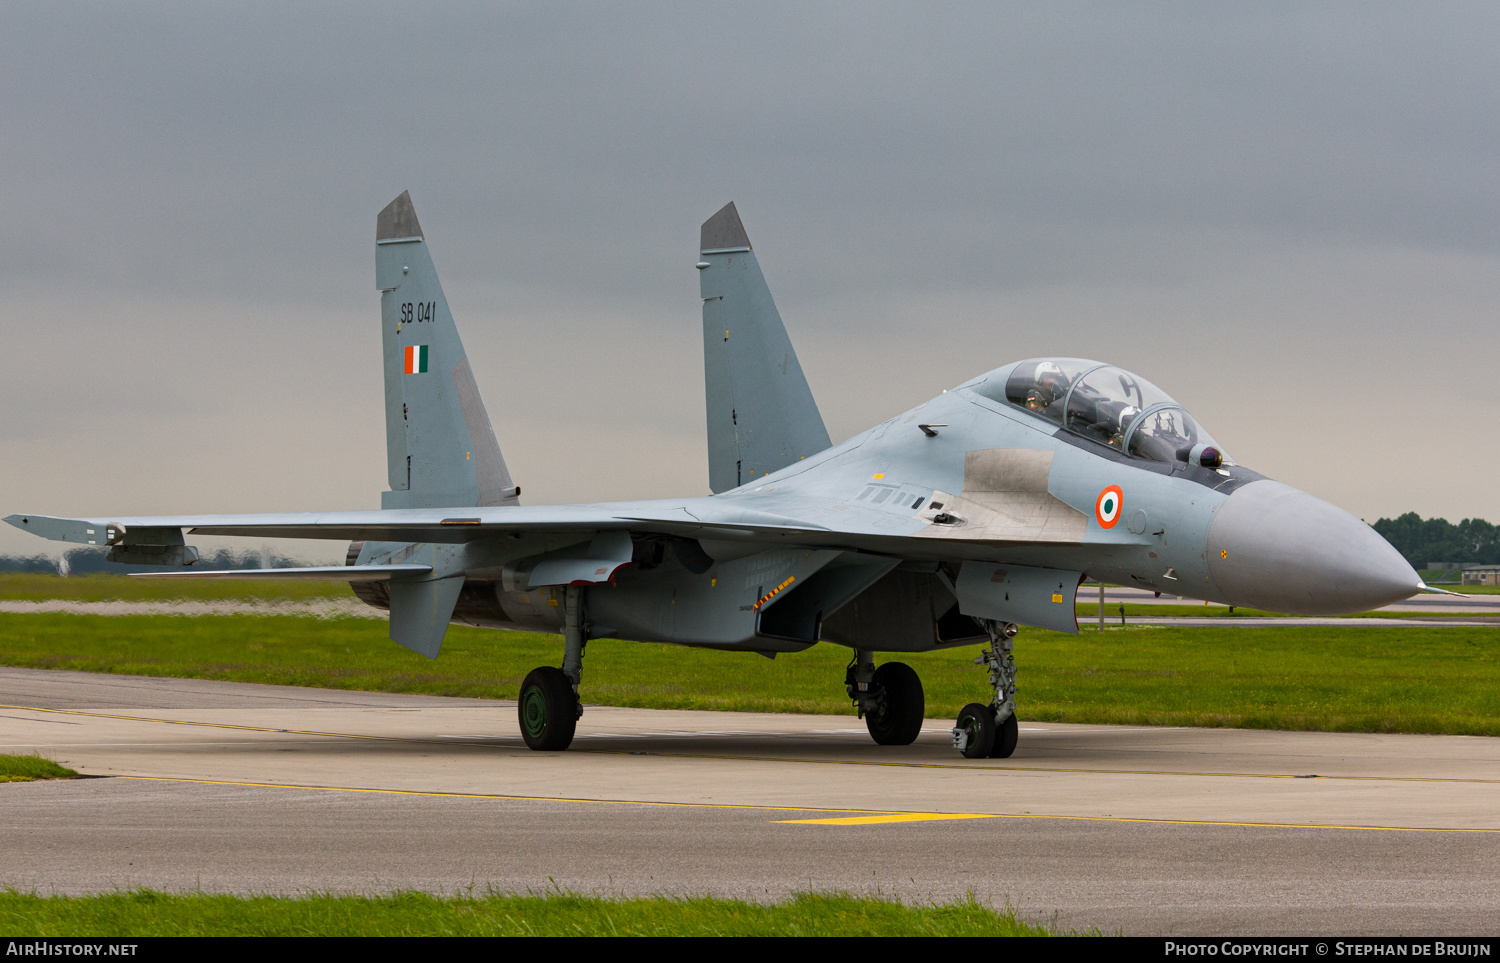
[771, 594]
[890, 818]
[881, 475]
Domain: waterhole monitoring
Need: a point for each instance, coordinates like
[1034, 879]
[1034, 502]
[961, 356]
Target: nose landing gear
[889, 698]
[990, 731]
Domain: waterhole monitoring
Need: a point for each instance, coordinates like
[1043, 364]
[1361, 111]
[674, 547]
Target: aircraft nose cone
[1273, 547]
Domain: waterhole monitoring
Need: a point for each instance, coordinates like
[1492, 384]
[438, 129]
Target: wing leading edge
[450, 526]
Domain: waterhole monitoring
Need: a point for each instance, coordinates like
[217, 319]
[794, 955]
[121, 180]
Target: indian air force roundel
[1107, 507]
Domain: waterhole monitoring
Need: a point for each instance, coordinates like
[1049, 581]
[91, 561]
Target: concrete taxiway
[242, 788]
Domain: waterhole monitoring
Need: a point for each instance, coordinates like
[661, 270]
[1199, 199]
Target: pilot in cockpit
[1049, 384]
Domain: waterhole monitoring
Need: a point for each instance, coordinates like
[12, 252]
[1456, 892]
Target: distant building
[1481, 575]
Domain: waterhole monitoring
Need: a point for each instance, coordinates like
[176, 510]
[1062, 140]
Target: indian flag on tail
[416, 359]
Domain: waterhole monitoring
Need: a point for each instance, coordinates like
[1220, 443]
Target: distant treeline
[89, 561]
[1425, 540]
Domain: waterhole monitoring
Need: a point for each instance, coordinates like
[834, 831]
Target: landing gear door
[1039, 597]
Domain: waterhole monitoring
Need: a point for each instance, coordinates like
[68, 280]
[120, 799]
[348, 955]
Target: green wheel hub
[534, 711]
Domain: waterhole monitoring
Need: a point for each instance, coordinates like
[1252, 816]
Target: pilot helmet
[1050, 378]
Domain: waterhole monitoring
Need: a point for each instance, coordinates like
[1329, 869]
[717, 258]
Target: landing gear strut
[889, 699]
[549, 707]
[991, 730]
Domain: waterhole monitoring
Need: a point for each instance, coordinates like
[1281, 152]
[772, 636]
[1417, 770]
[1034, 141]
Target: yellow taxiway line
[859, 817]
[877, 818]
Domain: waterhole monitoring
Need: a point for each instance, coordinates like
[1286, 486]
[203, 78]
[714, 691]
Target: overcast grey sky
[1283, 214]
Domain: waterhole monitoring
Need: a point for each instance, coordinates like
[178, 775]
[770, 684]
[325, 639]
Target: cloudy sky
[1284, 214]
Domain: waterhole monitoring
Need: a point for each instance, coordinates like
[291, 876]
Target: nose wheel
[978, 736]
[990, 731]
[974, 733]
[1006, 734]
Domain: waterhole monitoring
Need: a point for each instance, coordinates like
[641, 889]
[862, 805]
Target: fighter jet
[954, 523]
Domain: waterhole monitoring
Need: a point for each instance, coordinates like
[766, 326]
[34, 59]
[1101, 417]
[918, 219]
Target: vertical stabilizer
[761, 413]
[440, 445]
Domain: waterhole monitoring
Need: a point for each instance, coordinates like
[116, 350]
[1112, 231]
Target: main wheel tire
[547, 709]
[899, 721]
[979, 722]
[1006, 734]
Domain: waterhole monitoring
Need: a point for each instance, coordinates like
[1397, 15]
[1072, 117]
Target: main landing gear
[889, 699]
[990, 730]
[549, 707]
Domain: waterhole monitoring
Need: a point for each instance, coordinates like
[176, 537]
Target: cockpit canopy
[1104, 403]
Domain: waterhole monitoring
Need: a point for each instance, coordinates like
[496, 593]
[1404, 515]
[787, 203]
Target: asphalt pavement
[251, 788]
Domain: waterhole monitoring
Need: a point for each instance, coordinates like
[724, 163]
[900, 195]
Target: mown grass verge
[149, 913]
[1356, 679]
[30, 768]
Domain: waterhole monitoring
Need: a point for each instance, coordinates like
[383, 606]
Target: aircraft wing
[807, 521]
[447, 525]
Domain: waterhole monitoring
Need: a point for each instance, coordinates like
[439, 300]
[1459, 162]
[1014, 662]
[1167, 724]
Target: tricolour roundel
[1107, 507]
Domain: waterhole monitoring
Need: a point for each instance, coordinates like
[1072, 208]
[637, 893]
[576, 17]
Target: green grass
[29, 586]
[143, 913]
[1388, 679]
[31, 768]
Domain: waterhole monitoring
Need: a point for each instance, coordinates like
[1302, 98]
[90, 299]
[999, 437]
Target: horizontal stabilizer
[325, 573]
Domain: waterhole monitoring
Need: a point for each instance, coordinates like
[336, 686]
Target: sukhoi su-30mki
[953, 523]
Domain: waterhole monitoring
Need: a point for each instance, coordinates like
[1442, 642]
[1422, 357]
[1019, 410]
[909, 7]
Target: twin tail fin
[761, 413]
[440, 446]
